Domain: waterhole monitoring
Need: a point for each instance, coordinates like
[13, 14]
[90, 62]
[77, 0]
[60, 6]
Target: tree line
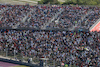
[74, 2]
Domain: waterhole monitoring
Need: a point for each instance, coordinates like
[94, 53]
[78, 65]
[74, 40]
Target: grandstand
[58, 33]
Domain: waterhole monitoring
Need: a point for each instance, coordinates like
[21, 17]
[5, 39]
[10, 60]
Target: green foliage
[74, 2]
[83, 2]
[92, 2]
[48, 1]
[40, 2]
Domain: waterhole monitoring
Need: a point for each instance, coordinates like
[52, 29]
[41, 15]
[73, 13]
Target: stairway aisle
[54, 17]
[82, 19]
[23, 20]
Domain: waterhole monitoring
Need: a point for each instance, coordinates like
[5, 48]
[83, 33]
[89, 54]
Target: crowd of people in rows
[80, 16]
[26, 16]
[76, 48]
[69, 17]
[39, 15]
[13, 14]
[70, 47]
[91, 18]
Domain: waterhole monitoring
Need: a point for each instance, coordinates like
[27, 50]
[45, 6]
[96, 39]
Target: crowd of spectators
[13, 14]
[69, 47]
[75, 48]
[91, 18]
[39, 15]
[72, 16]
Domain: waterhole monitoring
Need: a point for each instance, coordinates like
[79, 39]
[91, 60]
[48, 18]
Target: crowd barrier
[47, 29]
[18, 62]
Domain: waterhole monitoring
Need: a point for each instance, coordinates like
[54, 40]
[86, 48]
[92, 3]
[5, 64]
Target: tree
[80, 2]
[83, 2]
[48, 1]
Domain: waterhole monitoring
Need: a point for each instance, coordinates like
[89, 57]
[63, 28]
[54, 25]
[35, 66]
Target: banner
[95, 27]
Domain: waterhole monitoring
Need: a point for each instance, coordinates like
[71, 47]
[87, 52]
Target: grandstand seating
[69, 47]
